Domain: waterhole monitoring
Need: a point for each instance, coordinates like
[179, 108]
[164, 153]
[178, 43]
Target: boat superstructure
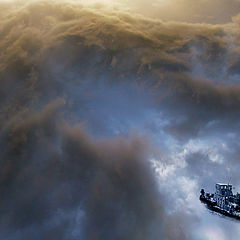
[223, 200]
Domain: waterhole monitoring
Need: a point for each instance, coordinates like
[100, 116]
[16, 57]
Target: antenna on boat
[230, 178]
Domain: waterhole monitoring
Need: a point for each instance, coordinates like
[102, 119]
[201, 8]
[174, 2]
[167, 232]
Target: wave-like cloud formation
[75, 76]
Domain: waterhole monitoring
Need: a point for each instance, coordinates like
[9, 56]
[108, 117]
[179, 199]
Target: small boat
[222, 201]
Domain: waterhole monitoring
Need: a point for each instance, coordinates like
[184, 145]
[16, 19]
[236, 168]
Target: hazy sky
[206, 11]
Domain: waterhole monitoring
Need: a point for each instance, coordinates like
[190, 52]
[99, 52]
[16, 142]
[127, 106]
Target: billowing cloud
[57, 181]
[111, 122]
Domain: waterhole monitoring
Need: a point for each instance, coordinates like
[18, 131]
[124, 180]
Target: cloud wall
[111, 122]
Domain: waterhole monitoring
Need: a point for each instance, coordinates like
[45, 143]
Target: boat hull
[213, 207]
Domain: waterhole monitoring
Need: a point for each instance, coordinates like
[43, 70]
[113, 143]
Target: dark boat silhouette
[222, 201]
